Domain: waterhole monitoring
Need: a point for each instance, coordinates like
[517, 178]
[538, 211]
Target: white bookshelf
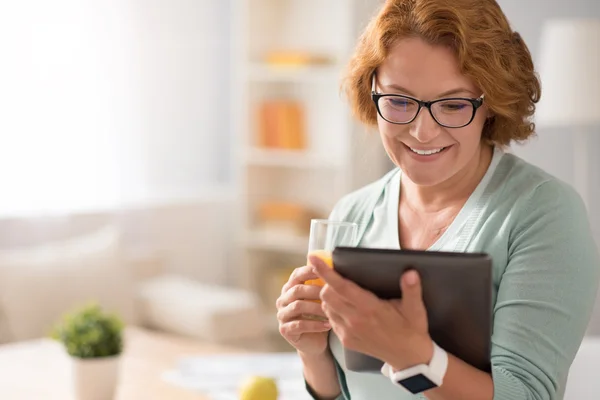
[339, 156]
[301, 74]
[268, 241]
[290, 159]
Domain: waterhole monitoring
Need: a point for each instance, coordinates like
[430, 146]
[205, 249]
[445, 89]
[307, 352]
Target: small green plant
[89, 332]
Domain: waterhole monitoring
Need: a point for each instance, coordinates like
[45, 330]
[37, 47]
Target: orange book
[267, 124]
[292, 126]
[297, 138]
[282, 133]
[296, 58]
[274, 210]
[281, 125]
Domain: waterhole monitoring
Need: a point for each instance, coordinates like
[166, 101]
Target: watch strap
[435, 370]
[439, 363]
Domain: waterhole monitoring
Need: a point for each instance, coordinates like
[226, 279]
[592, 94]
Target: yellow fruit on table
[258, 388]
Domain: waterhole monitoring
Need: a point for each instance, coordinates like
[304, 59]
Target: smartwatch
[422, 377]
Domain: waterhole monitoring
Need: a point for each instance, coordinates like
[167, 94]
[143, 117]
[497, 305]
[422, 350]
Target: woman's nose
[424, 128]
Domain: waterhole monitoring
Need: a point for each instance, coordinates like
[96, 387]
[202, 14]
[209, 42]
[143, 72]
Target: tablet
[457, 292]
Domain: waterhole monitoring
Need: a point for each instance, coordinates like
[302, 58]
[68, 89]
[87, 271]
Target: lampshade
[569, 68]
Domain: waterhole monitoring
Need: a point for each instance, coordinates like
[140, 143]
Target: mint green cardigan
[546, 270]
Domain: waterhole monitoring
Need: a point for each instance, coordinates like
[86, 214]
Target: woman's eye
[453, 106]
[400, 103]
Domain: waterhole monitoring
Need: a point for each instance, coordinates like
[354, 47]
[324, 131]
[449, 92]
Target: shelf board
[293, 73]
[289, 158]
[276, 241]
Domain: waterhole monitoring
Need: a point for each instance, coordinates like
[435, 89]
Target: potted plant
[93, 339]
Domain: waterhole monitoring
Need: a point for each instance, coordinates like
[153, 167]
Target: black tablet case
[457, 292]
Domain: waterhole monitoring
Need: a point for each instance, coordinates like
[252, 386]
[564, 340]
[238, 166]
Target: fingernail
[411, 277]
[327, 325]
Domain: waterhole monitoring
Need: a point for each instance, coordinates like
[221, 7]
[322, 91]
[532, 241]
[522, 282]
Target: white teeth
[427, 152]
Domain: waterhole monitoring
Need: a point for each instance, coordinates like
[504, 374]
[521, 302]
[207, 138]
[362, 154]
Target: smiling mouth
[427, 152]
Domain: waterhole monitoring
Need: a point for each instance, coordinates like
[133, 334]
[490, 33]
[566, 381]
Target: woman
[448, 85]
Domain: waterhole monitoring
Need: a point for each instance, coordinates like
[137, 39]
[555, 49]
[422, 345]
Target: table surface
[39, 369]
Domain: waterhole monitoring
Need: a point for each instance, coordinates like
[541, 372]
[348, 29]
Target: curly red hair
[489, 52]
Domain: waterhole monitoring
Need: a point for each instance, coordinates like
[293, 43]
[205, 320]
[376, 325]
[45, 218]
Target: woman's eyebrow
[398, 88]
[445, 94]
[456, 91]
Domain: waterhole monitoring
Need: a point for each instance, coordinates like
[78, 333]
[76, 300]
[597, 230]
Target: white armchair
[50, 265]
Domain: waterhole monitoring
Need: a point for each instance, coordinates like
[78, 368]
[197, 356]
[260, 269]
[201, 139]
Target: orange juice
[325, 256]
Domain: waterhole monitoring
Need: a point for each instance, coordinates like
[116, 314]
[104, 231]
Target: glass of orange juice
[326, 235]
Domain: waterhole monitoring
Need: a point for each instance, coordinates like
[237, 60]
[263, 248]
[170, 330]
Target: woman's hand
[294, 308]
[395, 331]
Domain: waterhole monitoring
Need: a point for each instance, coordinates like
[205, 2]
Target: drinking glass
[326, 235]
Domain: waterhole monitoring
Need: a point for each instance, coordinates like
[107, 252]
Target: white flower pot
[95, 378]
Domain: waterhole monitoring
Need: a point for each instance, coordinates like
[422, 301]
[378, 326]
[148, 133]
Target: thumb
[412, 295]
[317, 262]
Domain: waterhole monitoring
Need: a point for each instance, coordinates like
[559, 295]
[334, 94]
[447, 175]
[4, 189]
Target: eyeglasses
[454, 112]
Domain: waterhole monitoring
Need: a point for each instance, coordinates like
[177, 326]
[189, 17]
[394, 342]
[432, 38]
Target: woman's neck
[432, 199]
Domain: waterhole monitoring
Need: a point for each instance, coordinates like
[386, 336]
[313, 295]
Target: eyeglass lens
[451, 113]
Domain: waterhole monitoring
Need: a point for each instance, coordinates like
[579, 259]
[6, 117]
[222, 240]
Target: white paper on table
[219, 376]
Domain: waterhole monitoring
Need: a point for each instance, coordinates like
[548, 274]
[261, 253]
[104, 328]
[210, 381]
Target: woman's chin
[420, 178]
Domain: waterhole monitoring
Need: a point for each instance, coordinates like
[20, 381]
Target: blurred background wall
[553, 149]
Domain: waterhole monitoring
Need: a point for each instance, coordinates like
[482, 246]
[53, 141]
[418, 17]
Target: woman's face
[425, 72]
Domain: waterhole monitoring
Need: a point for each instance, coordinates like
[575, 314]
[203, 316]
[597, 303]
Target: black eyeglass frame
[476, 103]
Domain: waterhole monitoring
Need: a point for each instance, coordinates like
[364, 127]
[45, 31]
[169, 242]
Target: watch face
[417, 384]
